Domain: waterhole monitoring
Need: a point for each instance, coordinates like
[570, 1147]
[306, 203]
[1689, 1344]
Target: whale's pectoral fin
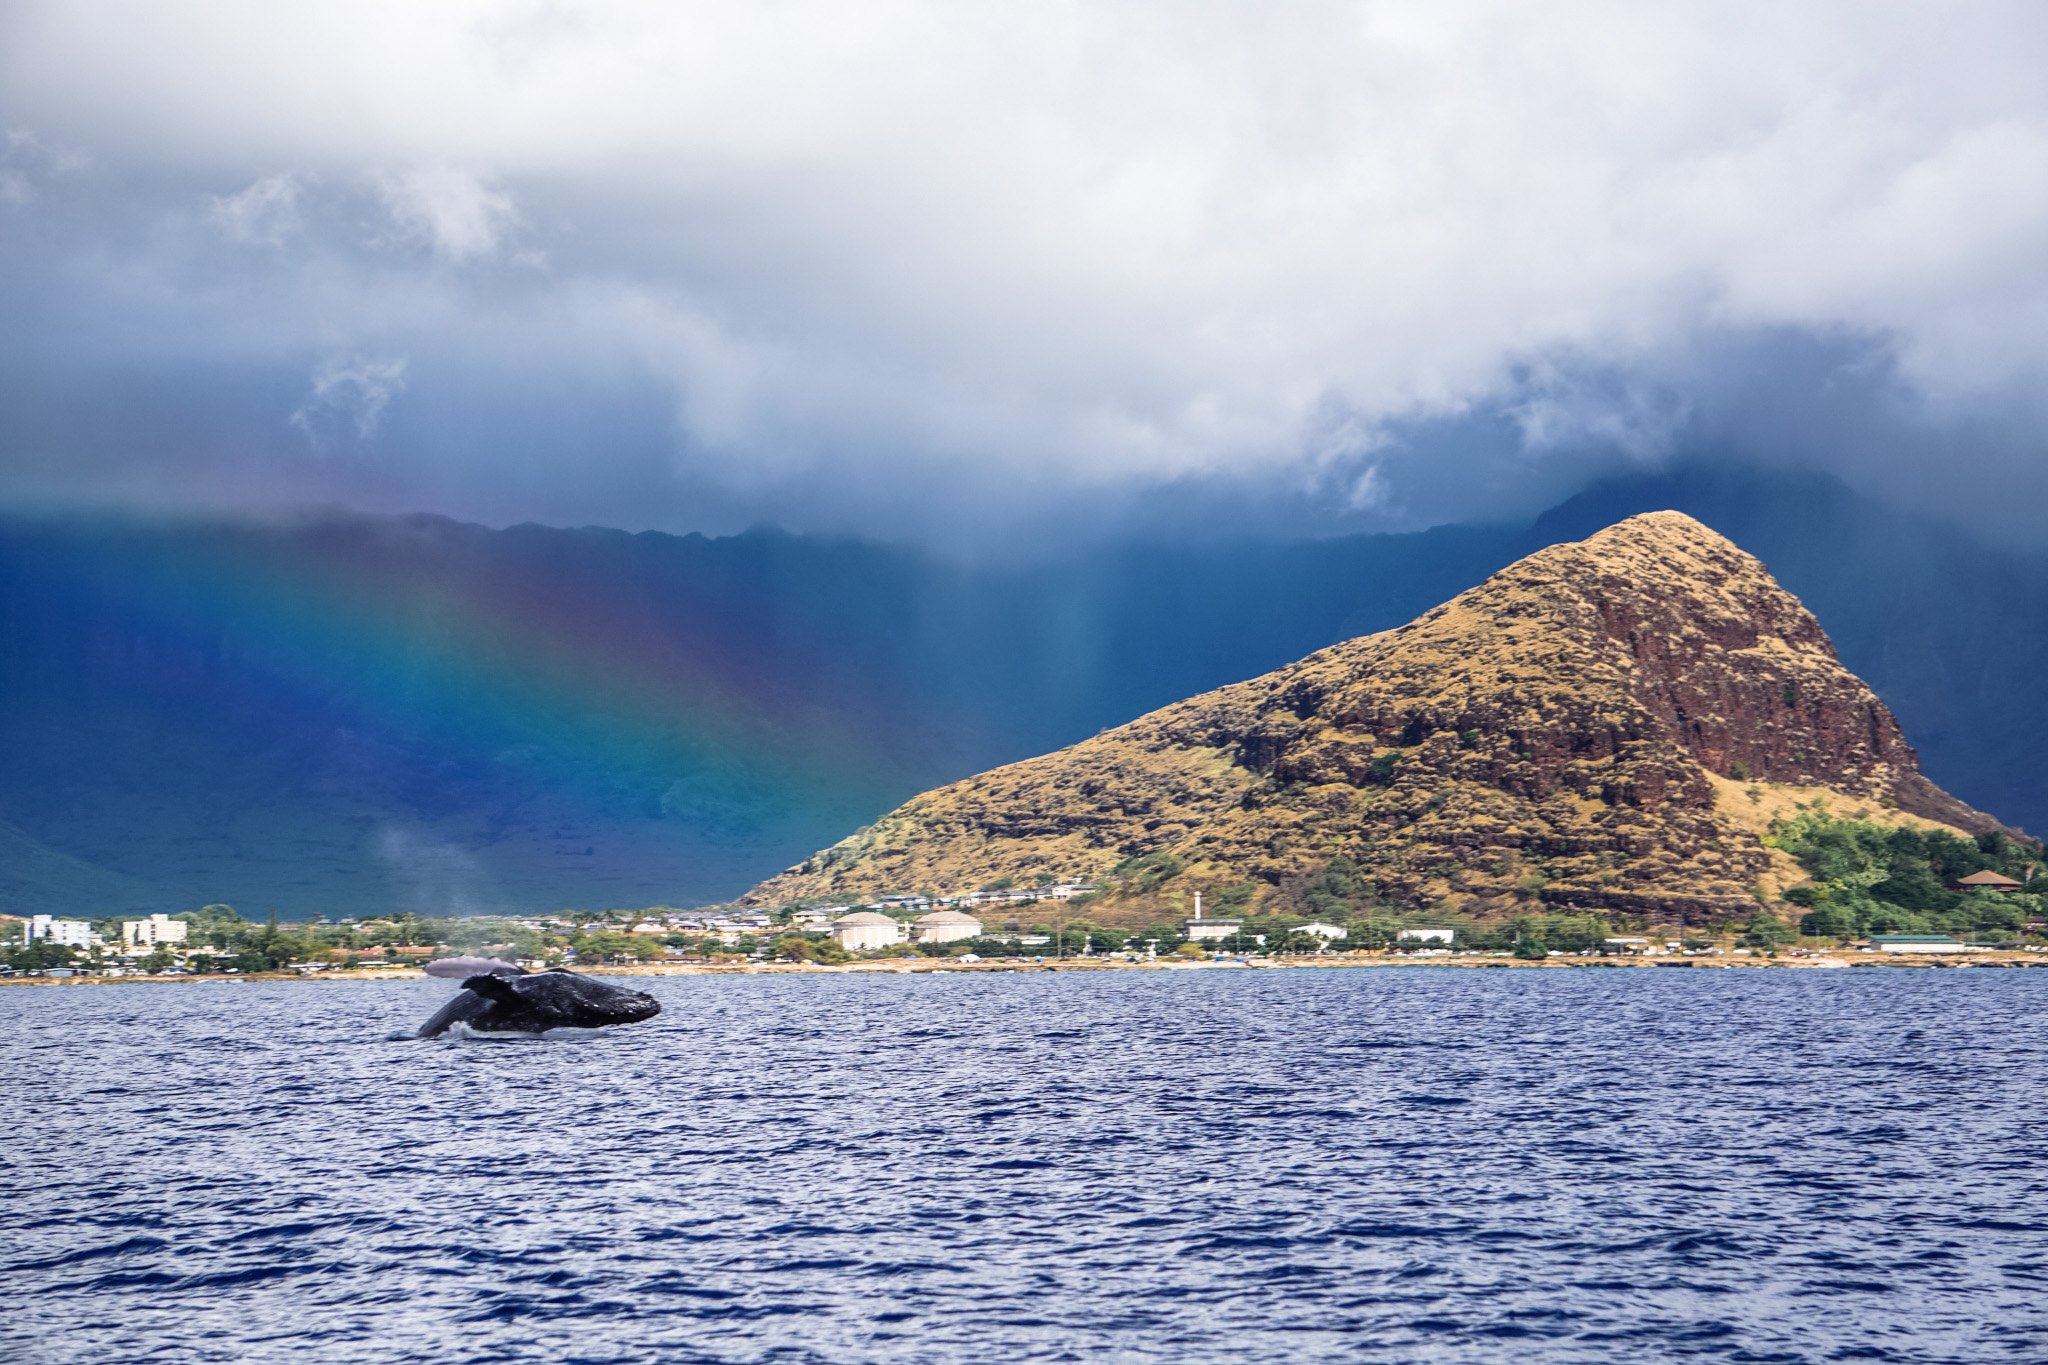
[493, 988]
[459, 1010]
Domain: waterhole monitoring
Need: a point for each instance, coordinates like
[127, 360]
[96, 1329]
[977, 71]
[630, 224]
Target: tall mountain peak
[1599, 723]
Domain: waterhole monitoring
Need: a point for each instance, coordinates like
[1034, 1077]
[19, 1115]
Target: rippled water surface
[1380, 1165]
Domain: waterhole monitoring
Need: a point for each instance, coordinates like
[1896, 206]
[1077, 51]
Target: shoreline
[927, 967]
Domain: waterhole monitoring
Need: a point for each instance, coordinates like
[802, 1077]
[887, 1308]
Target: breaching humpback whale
[497, 997]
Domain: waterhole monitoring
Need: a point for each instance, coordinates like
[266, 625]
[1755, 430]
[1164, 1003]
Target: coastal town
[991, 929]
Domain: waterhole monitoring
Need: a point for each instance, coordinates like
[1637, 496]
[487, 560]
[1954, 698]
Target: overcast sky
[940, 269]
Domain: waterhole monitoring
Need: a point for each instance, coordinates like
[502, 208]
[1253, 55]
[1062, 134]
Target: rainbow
[633, 681]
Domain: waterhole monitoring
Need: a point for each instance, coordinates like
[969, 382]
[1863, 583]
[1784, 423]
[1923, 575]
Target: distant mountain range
[343, 714]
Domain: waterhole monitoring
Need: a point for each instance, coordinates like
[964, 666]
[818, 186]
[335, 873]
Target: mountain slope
[1559, 727]
[42, 880]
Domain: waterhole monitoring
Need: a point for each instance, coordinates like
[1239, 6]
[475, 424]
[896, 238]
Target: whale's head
[560, 998]
[599, 1001]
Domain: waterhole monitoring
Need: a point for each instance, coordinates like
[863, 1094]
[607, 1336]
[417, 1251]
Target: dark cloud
[919, 269]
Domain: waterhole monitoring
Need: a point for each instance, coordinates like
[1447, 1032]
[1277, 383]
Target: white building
[944, 926]
[1625, 945]
[1325, 932]
[1199, 930]
[1021, 893]
[864, 930]
[157, 929]
[72, 933]
[1443, 936]
[728, 931]
[1922, 943]
[69, 933]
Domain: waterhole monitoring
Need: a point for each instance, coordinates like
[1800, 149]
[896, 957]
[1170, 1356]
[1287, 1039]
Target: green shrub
[1882, 879]
[1149, 870]
[1765, 930]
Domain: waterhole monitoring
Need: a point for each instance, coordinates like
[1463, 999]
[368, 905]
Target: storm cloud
[911, 267]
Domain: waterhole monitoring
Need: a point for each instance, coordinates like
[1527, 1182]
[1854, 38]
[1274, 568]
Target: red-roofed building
[1986, 881]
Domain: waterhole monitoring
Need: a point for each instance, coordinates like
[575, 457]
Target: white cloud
[1633, 414]
[27, 162]
[264, 214]
[1075, 243]
[349, 396]
[450, 211]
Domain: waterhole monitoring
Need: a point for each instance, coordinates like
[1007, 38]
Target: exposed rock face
[1549, 732]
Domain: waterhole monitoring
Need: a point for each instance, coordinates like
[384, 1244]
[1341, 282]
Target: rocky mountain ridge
[1553, 735]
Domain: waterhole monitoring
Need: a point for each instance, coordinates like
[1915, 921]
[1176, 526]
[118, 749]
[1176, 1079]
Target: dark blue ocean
[1370, 1165]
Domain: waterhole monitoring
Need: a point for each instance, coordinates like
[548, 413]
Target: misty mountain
[343, 714]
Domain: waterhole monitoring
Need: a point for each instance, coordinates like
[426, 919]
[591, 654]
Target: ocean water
[1370, 1165]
